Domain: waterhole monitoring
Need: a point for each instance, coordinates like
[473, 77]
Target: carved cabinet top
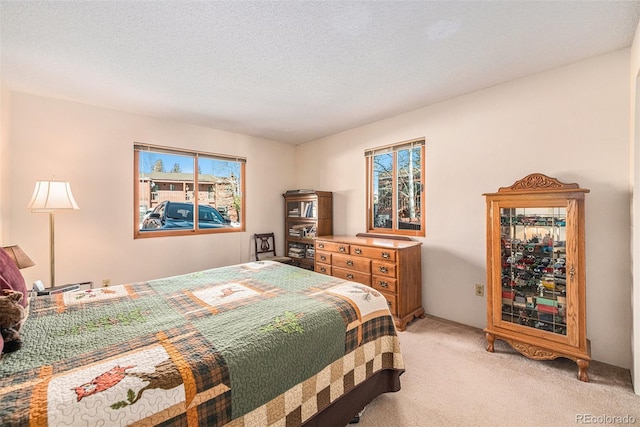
[537, 182]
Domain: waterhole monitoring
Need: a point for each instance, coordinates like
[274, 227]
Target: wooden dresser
[390, 266]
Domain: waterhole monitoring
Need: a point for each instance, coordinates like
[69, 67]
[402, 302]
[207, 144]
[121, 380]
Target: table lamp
[18, 256]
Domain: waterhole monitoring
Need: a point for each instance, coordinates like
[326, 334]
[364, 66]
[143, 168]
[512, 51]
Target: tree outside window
[395, 189]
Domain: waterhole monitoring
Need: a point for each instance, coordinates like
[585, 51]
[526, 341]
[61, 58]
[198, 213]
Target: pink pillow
[11, 278]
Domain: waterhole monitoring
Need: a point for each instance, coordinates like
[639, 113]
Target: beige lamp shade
[51, 196]
[18, 256]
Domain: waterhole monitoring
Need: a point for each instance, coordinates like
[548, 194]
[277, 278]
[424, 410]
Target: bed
[253, 344]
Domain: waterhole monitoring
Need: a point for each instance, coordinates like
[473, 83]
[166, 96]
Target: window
[169, 195]
[395, 199]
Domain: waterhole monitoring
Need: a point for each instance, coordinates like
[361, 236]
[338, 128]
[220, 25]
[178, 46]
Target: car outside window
[169, 195]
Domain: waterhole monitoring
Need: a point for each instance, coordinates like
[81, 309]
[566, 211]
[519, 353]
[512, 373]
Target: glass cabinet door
[533, 267]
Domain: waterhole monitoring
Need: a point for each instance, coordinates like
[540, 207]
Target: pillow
[11, 278]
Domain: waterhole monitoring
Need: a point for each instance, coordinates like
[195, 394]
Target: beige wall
[5, 114]
[93, 149]
[570, 123]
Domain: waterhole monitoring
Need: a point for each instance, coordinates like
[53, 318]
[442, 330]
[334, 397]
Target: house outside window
[169, 195]
[395, 187]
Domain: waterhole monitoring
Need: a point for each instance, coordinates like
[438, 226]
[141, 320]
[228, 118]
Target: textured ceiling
[293, 71]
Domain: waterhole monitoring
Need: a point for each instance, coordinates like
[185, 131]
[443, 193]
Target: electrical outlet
[479, 290]
[106, 282]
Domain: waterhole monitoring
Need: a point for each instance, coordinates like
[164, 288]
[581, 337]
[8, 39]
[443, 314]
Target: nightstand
[64, 288]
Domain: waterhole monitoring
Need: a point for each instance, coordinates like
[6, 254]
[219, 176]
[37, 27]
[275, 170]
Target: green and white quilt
[259, 343]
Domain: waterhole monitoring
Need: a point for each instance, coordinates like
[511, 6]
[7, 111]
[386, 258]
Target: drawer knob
[323, 258]
[321, 246]
[349, 276]
[384, 269]
[342, 249]
[323, 270]
[383, 284]
[386, 255]
[358, 251]
[350, 263]
[389, 304]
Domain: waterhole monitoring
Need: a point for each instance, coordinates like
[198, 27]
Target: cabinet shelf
[306, 241]
[536, 270]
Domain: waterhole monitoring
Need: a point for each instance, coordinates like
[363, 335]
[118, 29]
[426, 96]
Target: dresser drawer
[323, 268]
[381, 254]
[385, 284]
[354, 276]
[362, 265]
[337, 247]
[383, 269]
[323, 257]
[391, 302]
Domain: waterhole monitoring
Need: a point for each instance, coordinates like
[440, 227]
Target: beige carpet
[451, 380]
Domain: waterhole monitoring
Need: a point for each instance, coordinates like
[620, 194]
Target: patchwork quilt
[253, 344]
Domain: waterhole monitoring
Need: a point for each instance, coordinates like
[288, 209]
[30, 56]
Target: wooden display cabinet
[308, 214]
[536, 270]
